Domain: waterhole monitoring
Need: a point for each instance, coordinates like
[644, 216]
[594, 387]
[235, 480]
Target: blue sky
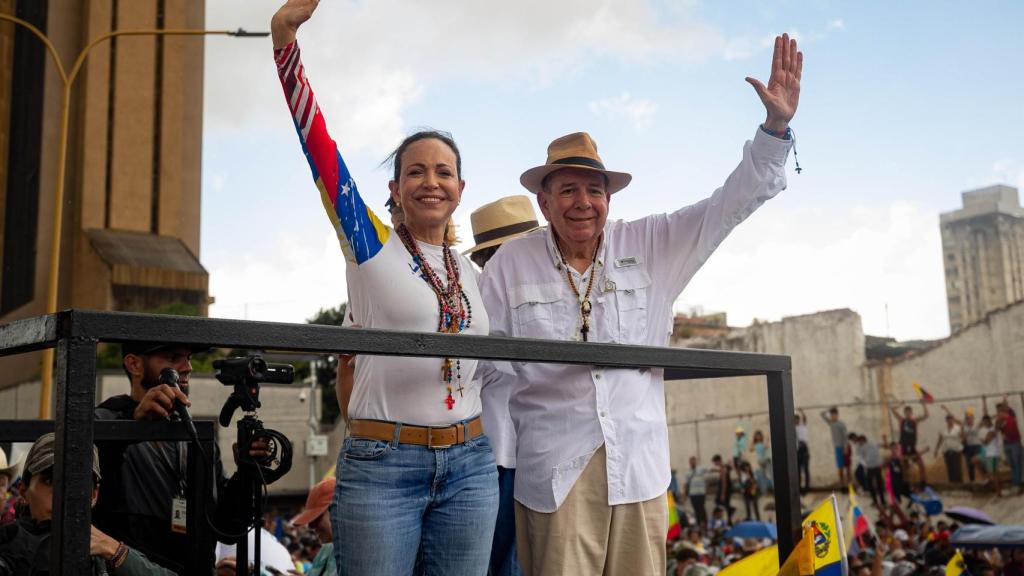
[904, 106]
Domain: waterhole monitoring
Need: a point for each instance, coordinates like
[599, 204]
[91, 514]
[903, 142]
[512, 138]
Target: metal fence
[76, 333]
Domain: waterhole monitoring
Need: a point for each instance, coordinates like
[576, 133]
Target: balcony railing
[76, 333]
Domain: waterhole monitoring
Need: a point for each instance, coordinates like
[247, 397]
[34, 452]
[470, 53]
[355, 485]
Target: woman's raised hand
[288, 18]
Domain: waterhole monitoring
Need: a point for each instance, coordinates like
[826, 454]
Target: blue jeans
[403, 509]
[504, 561]
[1013, 457]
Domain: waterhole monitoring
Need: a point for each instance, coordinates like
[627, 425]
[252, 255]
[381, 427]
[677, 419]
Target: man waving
[592, 450]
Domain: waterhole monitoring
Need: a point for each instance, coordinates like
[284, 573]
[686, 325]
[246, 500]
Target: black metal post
[251, 495]
[784, 469]
[199, 500]
[72, 471]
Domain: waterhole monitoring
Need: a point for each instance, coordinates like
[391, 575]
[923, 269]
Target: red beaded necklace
[455, 314]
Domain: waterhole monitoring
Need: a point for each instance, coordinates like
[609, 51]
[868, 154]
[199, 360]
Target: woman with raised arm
[416, 478]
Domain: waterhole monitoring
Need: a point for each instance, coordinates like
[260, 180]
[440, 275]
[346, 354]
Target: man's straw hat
[502, 220]
[576, 150]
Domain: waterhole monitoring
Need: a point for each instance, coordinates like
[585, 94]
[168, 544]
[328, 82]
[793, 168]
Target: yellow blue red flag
[801, 559]
[956, 566]
[761, 563]
[922, 394]
[826, 532]
[674, 528]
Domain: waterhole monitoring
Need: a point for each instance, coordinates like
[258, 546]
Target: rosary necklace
[455, 314]
[585, 307]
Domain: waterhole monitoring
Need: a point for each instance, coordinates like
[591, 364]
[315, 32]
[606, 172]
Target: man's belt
[429, 436]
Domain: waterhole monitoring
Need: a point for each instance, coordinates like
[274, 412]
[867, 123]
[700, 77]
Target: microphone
[170, 377]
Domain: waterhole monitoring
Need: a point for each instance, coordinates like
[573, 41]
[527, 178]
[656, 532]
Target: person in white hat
[592, 453]
[494, 224]
[7, 476]
[498, 222]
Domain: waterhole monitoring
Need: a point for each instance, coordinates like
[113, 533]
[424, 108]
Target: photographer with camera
[143, 501]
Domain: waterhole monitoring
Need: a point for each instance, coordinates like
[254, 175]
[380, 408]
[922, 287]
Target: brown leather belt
[429, 436]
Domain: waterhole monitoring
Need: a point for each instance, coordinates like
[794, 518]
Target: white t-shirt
[387, 292]
[802, 434]
[951, 439]
[992, 448]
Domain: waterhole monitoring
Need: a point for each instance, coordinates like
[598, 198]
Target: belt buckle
[430, 440]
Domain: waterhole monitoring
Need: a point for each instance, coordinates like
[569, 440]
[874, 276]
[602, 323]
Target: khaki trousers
[586, 536]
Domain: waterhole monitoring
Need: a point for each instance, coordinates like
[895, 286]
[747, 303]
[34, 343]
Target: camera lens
[257, 368]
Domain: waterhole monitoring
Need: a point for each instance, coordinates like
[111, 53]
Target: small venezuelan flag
[674, 529]
[956, 566]
[923, 394]
[826, 533]
[761, 563]
[801, 559]
[858, 524]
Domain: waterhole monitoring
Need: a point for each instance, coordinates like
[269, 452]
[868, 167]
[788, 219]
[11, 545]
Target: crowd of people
[905, 540]
[900, 543]
[981, 447]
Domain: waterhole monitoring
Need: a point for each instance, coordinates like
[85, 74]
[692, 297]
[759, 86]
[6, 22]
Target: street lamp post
[68, 80]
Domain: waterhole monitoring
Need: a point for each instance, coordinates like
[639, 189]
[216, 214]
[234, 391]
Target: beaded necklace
[455, 314]
[585, 307]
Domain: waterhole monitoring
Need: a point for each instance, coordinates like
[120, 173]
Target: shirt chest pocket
[537, 310]
[632, 290]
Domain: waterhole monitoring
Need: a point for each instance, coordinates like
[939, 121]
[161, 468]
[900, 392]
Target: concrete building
[130, 234]
[835, 364]
[983, 253]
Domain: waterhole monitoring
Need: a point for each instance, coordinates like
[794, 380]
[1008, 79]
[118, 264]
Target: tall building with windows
[130, 234]
[983, 253]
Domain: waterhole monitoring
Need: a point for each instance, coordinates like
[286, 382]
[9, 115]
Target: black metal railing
[76, 333]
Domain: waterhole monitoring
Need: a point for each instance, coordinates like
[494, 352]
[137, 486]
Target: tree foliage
[327, 366]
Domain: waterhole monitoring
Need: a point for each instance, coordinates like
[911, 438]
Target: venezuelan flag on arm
[826, 532]
[360, 233]
[923, 394]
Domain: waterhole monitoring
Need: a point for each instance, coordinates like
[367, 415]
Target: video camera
[246, 373]
[273, 449]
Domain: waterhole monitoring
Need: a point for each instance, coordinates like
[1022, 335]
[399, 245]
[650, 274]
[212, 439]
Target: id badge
[178, 508]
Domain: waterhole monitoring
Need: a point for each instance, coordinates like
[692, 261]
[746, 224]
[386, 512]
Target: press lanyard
[179, 470]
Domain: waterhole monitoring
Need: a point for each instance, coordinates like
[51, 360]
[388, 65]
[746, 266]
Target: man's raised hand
[782, 95]
[288, 18]
[158, 402]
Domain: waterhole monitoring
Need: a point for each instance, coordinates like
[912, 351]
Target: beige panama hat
[502, 220]
[577, 150]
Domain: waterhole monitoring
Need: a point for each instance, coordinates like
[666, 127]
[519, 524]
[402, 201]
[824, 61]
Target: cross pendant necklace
[585, 306]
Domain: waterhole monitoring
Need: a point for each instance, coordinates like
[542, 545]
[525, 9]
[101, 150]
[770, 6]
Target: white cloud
[836, 24]
[1006, 171]
[370, 61]
[288, 284]
[639, 112]
[864, 258]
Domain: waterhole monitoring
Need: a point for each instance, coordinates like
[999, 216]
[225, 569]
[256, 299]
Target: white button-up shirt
[564, 413]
